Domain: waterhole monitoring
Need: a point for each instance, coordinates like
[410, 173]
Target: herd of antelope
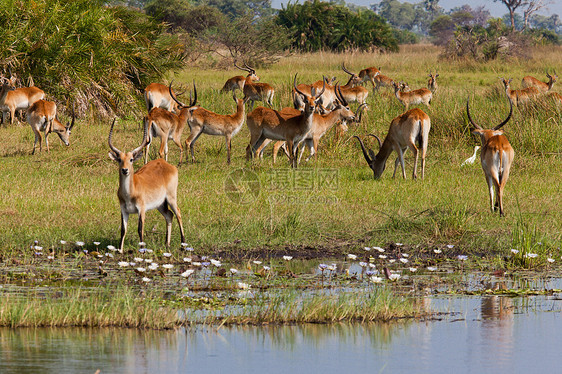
[317, 108]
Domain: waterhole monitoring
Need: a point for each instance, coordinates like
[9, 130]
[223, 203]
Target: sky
[496, 8]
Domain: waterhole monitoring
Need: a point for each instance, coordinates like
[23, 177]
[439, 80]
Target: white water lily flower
[51, 257]
[405, 255]
[462, 257]
[168, 266]
[351, 256]
[233, 270]
[287, 258]
[450, 246]
[367, 248]
[216, 263]
[399, 244]
[142, 244]
[148, 250]
[187, 259]
[551, 260]
[111, 248]
[266, 268]
[153, 266]
[133, 264]
[432, 268]
[363, 264]
[195, 263]
[394, 276]
[146, 279]
[243, 286]
[138, 259]
[437, 251]
[532, 255]
[382, 256]
[123, 264]
[97, 243]
[413, 270]
[381, 250]
[376, 279]
[372, 266]
[100, 256]
[183, 245]
[80, 244]
[187, 273]
[404, 260]
[257, 262]
[166, 254]
[333, 267]
[141, 270]
[149, 260]
[392, 260]
[63, 242]
[514, 251]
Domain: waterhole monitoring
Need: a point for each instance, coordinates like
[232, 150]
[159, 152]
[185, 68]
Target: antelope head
[251, 71]
[126, 159]
[487, 134]
[376, 165]
[312, 101]
[354, 78]
[180, 104]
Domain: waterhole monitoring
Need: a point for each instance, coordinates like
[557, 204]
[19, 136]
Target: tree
[532, 7]
[442, 29]
[512, 5]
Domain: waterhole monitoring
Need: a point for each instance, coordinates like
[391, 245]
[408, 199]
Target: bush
[85, 53]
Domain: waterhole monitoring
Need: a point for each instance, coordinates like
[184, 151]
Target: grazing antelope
[167, 125]
[496, 158]
[351, 92]
[265, 123]
[529, 81]
[17, 99]
[517, 97]
[369, 74]
[42, 116]
[203, 121]
[404, 132]
[555, 96]
[239, 81]
[382, 81]
[157, 95]
[419, 96]
[432, 82]
[153, 186]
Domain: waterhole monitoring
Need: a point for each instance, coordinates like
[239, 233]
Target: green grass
[70, 193]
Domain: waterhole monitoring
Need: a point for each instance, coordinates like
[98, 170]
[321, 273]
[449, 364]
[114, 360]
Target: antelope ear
[372, 154]
[137, 155]
[113, 156]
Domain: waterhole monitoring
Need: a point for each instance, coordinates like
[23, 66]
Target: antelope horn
[145, 139]
[192, 103]
[344, 69]
[113, 149]
[340, 96]
[470, 118]
[378, 139]
[73, 118]
[365, 154]
[321, 91]
[173, 96]
[359, 113]
[295, 85]
[244, 69]
[507, 119]
[251, 70]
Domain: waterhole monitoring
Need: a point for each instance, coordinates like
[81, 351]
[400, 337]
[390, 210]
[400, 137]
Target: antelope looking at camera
[157, 95]
[517, 97]
[327, 98]
[404, 132]
[432, 82]
[17, 99]
[419, 96]
[351, 92]
[42, 116]
[153, 186]
[543, 87]
[167, 126]
[496, 158]
[265, 123]
[238, 82]
[203, 121]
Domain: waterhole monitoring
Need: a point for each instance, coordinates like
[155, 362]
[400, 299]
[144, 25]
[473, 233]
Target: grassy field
[332, 203]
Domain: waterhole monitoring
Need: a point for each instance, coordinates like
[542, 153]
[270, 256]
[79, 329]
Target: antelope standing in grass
[203, 121]
[404, 132]
[167, 126]
[351, 91]
[326, 99]
[496, 158]
[42, 116]
[522, 96]
[157, 95]
[432, 82]
[18, 99]
[258, 92]
[265, 123]
[543, 87]
[555, 96]
[239, 81]
[419, 96]
[369, 74]
[382, 81]
[153, 186]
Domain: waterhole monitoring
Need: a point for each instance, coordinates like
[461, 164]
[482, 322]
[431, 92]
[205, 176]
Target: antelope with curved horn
[157, 95]
[42, 116]
[258, 92]
[265, 123]
[543, 87]
[404, 132]
[351, 91]
[153, 186]
[432, 82]
[239, 81]
[17, 99]
[419, 96]
[496, 158]
[203, 121]
[167, 125]
[369, 74]
[522, 96]
[327, 98]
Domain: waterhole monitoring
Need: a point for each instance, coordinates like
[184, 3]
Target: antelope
[258, 92]
[517, 97]
[156, 95]
[42, 116]
[239, 81]
[432, 82]
[555, 96]
[405, 131]
[419, 96]
[529, 81]
[167, 125]
[496, 158]
[17, 99]
[383, 81]
[265, 123]
[369, 74]
[321, 124]
[327, 98]
[351, 91]
[153, 186]
[203, 121]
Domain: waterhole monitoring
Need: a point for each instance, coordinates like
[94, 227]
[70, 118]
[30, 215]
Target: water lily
[146, 279]
[138, 259]
[153, 266]
[405, 255]
[111, 248]
[266, 268]
[133, 264]
[167, 254]
[217, 263]
[233, 271]
[257, 262]
[367, 249]
[532, 255]
[148, 250]
[184, 245]
[399, 244]
[97, 243]
[168, 266]
[376, 279]
[432, 268]
[287, 258]
[50, 257]
[404, 260]
[79, 244]
[99, 256]
[63, 242]
[142, 244]
[381, 250]
[551, 260]
[187, 273]
[149, 260]
[123, 264]
[382, 256]
[195, 263]
[413, 270]
[514, 251]
[243, 286]
[450, 246]
[392, 260]
[394, 276]
[187, 259]
[333, 267]
[352, 256]
[462, 257]
[140, 270]
[437, 251]
[363, 264]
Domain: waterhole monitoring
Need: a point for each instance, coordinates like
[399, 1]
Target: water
[473, 335]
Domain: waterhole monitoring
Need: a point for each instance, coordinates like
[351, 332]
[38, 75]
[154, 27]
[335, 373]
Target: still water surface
[474, 335]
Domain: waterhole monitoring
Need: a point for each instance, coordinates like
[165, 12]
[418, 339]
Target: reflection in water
[487, 334]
